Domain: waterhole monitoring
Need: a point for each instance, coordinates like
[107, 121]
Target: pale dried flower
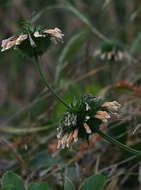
[12, 41]
[54, 34]
[82, 119]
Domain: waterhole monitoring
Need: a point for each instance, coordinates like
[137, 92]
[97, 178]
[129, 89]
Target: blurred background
[101, 56]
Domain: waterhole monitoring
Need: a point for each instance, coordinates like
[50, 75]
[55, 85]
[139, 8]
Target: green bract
[110, 51]
[33, 41]
[83, 117]
[33, 45]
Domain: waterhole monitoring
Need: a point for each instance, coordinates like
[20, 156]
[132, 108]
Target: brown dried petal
[32, 43]
[104, 113]
[87, 128]
[8, 43]
[69, 139]
[21, 38]
[116, 103]
[75, 135]
[109, 55]
[59, 144]
[120, 55]
[14, 40]
[100, 117]
[37, 34]
[56, 33]
[111, 104]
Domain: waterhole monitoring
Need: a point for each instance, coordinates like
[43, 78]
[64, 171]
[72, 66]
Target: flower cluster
[110, 51]
[84, 116]
[33, 38]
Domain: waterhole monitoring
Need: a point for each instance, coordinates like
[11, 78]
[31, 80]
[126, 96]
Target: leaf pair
[11, 181]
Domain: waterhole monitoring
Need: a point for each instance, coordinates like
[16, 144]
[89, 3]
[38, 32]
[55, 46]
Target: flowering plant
[33, 40]
[85, 115]
[110, 51]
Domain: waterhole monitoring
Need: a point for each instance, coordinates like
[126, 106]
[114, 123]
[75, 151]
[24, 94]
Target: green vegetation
[70, 92]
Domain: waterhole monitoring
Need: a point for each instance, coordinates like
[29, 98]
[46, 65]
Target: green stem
[46, 83]
[117, 143]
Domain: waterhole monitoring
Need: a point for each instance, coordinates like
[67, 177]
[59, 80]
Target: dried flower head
[33, 38]
[84, 116]
[110, 51]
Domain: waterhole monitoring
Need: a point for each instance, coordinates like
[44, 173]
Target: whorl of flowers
[32, 38]
[84, 116]
[110, 51]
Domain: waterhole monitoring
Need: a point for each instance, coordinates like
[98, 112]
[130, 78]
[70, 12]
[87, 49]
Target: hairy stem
[47, 85]
[117, 143]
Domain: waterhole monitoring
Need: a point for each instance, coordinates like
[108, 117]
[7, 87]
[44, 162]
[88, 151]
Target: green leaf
[43, 159]
[9, 187]
[94, 182]
[68, 184]
[71, 49]
[38, 186]
[11, 179]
